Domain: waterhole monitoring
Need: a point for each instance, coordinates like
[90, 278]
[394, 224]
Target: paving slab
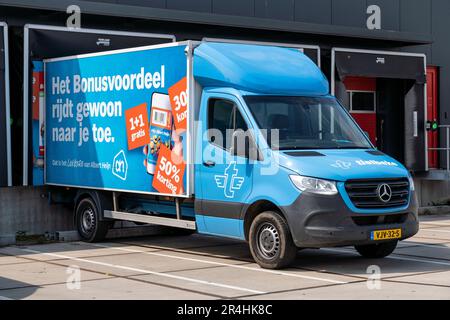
[235, 251]
[360, 291]
[8, 260]
[435, 251]
[441, 279]
[239, 251]
[265, 281]
[440, 218]
[204, 267]
[180, 255]
[37, 274]
[180, 242]
[219, 289]
[421, 241]
[347, 261]
[434, 233]
[51, 252]
[111, 289]
[150, 262]
[430, 225]
[133, 263]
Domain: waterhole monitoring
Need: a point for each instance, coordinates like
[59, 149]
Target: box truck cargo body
[226, 139]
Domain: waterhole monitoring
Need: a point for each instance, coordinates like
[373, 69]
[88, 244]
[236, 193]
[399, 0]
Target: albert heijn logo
[120, 165]
[229, 181]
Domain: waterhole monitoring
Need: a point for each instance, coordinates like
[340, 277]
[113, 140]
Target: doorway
[386, 95]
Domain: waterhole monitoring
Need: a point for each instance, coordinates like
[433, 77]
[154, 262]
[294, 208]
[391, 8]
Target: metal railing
[447, 145]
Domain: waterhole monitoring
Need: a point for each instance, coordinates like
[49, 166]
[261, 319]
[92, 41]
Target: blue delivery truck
[225, 139]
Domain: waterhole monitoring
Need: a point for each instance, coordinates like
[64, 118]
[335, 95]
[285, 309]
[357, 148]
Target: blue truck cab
[268, 155]
[304, 175]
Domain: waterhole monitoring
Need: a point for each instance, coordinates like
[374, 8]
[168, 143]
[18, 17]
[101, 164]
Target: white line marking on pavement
[434, 224]
[5, 298]
[215, 284]
[435, 221]
[394, 256]
[220, 264]
[435, 230]
[411, 245]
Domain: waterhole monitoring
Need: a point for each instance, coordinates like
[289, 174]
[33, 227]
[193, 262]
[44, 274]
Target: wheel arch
[102, 199]
[254, 209]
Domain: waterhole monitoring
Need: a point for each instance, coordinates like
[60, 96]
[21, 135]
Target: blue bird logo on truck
[229, 181]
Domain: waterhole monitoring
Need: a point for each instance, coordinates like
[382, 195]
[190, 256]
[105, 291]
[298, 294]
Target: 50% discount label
[169, 172]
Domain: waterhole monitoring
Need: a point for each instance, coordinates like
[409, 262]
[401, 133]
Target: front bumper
[318, 221]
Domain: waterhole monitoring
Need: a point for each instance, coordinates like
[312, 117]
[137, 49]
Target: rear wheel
[377, 250]
[88, 222]
[271, 242]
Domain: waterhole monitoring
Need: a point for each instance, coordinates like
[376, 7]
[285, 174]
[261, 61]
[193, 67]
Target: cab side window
[224, 118]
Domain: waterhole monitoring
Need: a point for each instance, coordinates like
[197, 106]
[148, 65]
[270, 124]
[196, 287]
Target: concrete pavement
[202, 267]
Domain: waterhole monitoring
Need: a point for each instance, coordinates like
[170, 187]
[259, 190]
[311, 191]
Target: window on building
[362, 101]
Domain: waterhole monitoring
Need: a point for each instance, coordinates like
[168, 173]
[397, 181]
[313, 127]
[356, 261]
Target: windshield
[305, 123]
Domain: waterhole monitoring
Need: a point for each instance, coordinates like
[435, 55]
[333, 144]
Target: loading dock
[5, 133]
[400, 108]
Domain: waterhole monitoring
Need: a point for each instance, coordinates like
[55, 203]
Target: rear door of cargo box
[118, 120]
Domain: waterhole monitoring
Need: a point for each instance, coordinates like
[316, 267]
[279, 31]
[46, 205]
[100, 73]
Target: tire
[271, 242]
[377, 250]
[88, 223]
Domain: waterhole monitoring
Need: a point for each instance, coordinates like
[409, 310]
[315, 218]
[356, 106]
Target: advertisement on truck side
[118, 120]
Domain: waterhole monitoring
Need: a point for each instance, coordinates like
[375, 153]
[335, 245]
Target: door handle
[209, 163]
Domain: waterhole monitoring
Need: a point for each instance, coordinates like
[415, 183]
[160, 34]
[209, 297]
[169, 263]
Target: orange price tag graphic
[179, 102]
[169, 173]
[138, 134]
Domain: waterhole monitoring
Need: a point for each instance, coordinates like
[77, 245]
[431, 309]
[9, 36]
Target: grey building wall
[27, 209]
[398, 15]
[405, 24]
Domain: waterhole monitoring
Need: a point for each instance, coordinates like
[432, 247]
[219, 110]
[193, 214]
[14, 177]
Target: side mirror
[243, 145]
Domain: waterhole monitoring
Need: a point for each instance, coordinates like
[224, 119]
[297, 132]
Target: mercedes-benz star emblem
[384, 192]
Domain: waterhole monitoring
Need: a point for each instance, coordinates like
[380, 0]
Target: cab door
[226, 179]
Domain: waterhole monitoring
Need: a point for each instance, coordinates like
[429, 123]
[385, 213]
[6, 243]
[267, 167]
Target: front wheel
[87, 218]
[377, 250]
[271, 242]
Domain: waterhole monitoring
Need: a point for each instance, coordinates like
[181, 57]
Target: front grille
[364, 193]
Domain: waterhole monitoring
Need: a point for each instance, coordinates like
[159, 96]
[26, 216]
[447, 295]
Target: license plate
[386, 234]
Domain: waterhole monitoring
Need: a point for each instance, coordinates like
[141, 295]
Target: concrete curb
[67, 236]
[434, 210]
[6, 240]
[135, 231]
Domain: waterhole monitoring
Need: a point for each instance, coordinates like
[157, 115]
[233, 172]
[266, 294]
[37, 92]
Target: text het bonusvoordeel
[64, 88]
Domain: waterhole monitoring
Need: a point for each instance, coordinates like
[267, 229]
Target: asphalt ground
[204, 267]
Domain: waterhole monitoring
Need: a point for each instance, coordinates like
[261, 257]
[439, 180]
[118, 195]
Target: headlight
[411, 182]
[314, 185]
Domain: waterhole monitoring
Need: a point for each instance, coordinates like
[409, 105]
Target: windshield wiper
[295, 148]
[320, 148]
[351, 147]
